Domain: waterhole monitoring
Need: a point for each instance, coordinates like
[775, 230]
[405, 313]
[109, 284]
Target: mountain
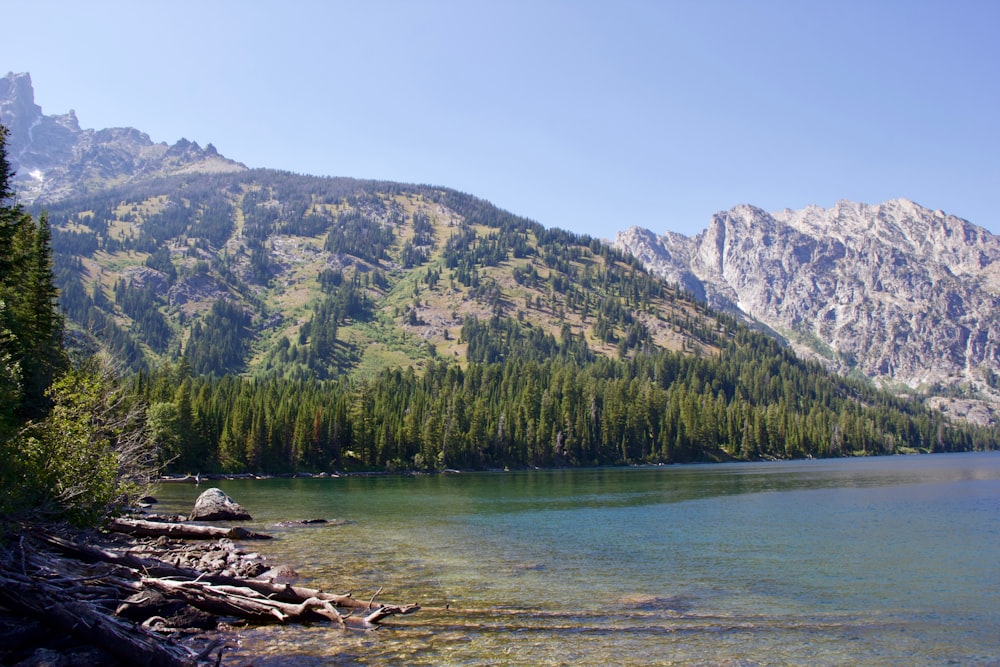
[285, 322]
[269, 272]
[54, 158]
[153, 242]
[898, 293]
[386, 325]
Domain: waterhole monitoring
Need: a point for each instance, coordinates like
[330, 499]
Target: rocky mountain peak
[17, 101]
[36, 142]
[53, 157]
[901, 293]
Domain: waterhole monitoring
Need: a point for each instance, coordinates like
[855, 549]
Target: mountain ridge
[746, 262]
[902, 294]
[153, 241]
[54, 158]
[407, 265]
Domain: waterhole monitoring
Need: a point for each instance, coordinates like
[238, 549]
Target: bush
[84, 462]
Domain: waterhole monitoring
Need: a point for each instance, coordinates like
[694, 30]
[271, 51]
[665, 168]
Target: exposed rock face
[53, 157]
[194, 288]
[899, 292]
[214, 505]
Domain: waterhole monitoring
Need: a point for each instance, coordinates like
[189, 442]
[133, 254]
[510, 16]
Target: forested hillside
[282, 275]
[753, 401]
[277, 322]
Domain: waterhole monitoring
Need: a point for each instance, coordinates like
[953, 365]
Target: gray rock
[214, 505]
[902, 294]
[53, 157]
[282, 574]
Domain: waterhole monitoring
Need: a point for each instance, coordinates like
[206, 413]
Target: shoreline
[199, 477]
[136, 593]
[215, 477]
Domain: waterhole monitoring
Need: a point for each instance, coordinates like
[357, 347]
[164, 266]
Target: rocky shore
[51, 566]
[151, 592]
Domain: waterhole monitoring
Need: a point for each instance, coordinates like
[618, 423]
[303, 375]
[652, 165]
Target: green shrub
[85, 461]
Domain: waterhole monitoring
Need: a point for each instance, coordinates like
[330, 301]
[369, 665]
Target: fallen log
[49, 606]
[298, 594]
[183, 531]
[242, 602]
[374, 618]
[92, 554]
[253, 601]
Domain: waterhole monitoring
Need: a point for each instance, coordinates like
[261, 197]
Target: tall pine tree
[11, 217]
[28, 292]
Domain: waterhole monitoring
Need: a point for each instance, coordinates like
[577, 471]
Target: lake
[877, 561]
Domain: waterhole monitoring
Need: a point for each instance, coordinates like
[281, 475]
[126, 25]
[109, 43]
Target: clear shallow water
[884, 561]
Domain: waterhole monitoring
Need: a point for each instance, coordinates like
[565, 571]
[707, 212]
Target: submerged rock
[282, 574]
[306, 522]
[214, 505]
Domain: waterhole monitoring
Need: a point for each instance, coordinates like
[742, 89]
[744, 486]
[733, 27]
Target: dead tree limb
[243, 602]
[252, 601]
[257, 601]
[298, 594]
[385, 611]
[185, 531]
[47, 605]
[152, 567]
[92, 554]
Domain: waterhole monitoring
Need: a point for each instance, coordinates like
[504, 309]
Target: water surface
[882, 561]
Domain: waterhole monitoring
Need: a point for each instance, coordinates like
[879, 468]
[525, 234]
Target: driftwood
[256, 602]
[183, 531]
[152, 567]
[83, 590]
[243, 602]
[49, 604]
[93, 554]
[158, 569]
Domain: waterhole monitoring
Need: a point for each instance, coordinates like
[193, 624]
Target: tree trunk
[131, 644]
[184, 531]
[256, 602]
[243, 602]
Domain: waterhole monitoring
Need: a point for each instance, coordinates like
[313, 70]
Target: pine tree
[11, 216]
[43, 355]
[11, 213]
[10, 381]
[27, 288]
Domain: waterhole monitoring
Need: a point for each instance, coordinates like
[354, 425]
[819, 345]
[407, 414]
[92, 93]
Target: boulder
[279, 575]
[214, 505]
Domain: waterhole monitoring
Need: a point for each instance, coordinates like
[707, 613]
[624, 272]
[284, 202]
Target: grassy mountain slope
[332, 276]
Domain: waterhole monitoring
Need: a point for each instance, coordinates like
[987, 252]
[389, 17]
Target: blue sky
[590, 116]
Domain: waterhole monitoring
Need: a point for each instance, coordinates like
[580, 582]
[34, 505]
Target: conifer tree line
[754, 401]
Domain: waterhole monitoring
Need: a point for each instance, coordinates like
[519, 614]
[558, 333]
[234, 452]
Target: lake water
[881, 561]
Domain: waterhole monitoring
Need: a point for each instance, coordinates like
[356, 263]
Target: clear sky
[590, 116]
